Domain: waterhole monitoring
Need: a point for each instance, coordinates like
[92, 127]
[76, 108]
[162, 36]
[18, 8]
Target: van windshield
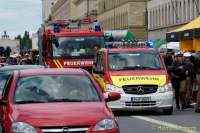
[135, 61]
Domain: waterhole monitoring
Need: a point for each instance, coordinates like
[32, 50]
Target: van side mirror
[55, 41]
[112, 96]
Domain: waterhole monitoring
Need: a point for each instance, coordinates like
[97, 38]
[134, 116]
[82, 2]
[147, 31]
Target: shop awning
[186, 32]
[192, 25]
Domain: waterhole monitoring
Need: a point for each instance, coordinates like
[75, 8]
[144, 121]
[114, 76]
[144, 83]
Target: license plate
[140, 99]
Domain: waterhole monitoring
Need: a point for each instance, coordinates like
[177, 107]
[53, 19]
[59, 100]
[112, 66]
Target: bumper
[155, 101]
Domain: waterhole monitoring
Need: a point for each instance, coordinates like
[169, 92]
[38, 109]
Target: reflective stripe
[59, 64]
[56, 64]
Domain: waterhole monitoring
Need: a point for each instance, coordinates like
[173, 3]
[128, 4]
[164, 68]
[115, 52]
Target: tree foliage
[25, 41]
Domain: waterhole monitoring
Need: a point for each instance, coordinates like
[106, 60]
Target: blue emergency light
[97, 27]
[56, 28]
[150, 43]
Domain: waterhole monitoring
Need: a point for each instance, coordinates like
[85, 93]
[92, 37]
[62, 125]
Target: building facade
[46, 9]
[73, 9]
[124, 14]
[5, 41]
[86, 8]
[63, 9]
[34, 41]
[168, 15]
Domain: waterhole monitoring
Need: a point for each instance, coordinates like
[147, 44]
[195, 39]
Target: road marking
[170, 126]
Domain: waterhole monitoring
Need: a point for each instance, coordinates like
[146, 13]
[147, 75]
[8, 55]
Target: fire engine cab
[70, 44]
[138, 73]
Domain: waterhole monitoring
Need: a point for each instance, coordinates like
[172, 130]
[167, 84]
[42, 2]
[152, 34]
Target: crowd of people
[28, 58]
[184, 71]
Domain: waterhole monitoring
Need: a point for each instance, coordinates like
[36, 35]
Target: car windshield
[55, 88]
[76, 47]
[135, 61]
[3, 78]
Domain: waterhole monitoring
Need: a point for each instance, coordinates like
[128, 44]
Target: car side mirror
[1, 98]
[97, 71]
[2, 101]
[112, 96]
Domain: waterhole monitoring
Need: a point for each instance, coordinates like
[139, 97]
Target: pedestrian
[197, 107]
[168, 59]
[178, 80]
[189, 72]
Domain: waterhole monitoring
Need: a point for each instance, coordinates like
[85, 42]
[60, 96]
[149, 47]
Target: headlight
[21, 127]
[112, 88]
[106, 124]
[165, 88]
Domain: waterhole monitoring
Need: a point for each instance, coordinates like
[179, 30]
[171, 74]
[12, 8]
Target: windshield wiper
[65, 100]
[31, 101]
[141, 68]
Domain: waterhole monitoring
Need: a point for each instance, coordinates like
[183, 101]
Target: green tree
[25, 41]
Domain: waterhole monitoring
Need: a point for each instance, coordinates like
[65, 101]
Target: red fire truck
[70, 44]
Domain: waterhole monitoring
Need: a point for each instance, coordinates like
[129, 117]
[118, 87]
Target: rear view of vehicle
[55, 101]
[138, 74]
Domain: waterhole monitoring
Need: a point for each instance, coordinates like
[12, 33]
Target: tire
[168, 111]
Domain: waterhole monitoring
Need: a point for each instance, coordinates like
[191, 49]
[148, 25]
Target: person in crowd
[189, 73]
[197, 107]
[168, 58]
[178, 80]
[19, 60]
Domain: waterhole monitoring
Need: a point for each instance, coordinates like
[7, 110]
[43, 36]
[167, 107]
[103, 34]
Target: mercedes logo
[65, 130]
[140, 90]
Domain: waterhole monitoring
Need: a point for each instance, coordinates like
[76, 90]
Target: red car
[55, 101]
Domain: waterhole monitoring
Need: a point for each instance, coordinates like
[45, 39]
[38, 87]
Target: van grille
[140, 89]
[142, 103]
[65, 130]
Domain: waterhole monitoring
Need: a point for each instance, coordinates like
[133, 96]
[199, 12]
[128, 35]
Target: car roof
[11, 68]
[51, 71]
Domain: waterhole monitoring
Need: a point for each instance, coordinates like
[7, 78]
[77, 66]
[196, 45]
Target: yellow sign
[120, 81]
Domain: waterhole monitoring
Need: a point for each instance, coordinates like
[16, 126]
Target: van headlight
[165, 88]
[106, 124]
[112, 88]
[21, 127]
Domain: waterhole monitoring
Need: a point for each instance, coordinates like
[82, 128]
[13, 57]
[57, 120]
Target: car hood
[145, 77]
[61, 114]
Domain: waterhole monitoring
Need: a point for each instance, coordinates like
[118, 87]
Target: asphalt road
[186, 121]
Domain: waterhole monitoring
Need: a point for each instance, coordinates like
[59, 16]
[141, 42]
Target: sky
[16, 16]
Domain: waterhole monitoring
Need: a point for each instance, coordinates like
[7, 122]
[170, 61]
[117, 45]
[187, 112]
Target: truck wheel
[168, 111]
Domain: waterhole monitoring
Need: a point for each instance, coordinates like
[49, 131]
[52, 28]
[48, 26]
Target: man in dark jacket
[197, 108]
[168, 59]
[178, 80]
[189, 76]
